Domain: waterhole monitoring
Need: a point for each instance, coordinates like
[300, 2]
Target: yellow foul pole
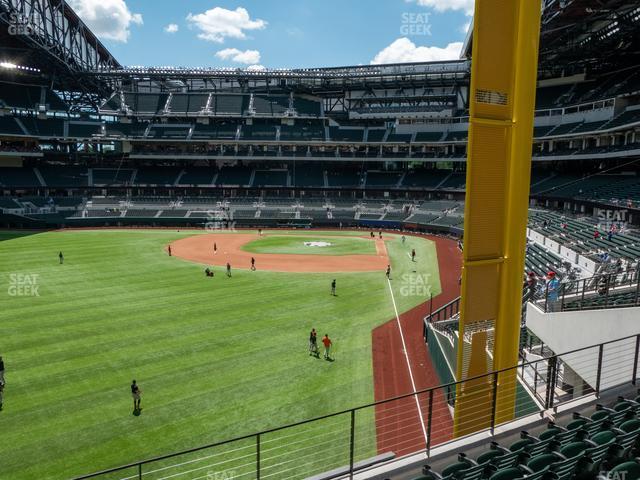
[502, 101]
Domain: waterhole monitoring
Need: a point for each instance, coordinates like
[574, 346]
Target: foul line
[406, 356]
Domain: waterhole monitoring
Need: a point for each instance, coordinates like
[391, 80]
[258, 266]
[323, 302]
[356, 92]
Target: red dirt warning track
[199, 249]
[398, 425]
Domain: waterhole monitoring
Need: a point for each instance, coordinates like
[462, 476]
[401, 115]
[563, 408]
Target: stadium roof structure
[55, 48]
[585, 35]
[48, 36]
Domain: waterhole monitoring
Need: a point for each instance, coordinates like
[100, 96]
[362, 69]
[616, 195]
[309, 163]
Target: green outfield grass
[216, 358]
[295, 244]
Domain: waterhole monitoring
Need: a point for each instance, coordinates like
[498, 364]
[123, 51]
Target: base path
[398, 423]
[199, 248]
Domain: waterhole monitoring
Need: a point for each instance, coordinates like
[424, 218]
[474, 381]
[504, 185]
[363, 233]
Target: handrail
[430, 391]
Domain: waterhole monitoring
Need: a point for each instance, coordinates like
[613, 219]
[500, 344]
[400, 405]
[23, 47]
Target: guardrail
[349, 441]
[608, 290]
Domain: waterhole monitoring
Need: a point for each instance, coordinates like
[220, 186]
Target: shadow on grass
[11, 234]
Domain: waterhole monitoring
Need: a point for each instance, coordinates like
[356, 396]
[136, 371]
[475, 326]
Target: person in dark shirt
[333, 288]
[1, 370]
[136, 394]
[228, 269]
[313, 342]
[253, 263]
[388, 272]
[61, 257]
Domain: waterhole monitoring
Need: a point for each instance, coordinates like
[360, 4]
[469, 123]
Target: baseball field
[216, 357]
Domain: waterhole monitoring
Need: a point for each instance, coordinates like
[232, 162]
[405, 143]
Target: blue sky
[276, 33]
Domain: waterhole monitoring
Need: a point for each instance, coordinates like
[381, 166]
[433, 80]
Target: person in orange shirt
[326, 341]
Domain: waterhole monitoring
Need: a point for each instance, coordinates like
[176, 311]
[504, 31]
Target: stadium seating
[224, 130]
[307, 107]
[259, 131]
[146, 102]
[188, 102]
[197, 176]
[8, 126]
[303, 131]
[429, 136]
[18, 177]
[583, 448]
[27, 97]
[234, 176]
[70, 177]
[274, 178]
[456, 181]
[383, 179]
[157, 176]
[112, 176]
[346, 134]
[229, 104]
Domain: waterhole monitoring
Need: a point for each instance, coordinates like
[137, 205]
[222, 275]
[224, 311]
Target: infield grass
[216, 358]
[304, 245]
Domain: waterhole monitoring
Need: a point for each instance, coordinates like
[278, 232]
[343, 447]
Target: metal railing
[608, 290]
[354, 439]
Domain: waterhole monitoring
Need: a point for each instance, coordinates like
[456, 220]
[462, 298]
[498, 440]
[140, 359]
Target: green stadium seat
[499, 457]
[512, 473]
[626, 471]
[602, 445]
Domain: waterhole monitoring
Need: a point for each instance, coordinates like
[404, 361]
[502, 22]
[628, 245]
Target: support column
[502, 99]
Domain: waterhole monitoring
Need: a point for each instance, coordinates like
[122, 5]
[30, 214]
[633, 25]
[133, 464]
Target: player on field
[228, 269]
[169, 250]
[413, 254]
[313, 342]
[253, 263]
[388, 272]
[1, 370]
[61, 258]
[333, 287]
[136, 394]
[1, 394]
[215, 248]
[403, 239]
[326, 341]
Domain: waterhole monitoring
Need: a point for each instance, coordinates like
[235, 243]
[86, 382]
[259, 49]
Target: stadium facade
[76, 126]
[85, 141]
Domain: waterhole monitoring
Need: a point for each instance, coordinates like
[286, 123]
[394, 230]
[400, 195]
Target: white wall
[567, 331]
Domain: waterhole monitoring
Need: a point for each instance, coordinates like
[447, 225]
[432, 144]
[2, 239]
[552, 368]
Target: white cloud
[444, 5]
[465, 28]
[404, 50]
[248, 57]
[219, 23]
[171, 28]
[108, 19]
[256, 68]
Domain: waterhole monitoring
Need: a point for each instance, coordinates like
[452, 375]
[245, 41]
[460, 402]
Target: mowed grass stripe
[216, 357]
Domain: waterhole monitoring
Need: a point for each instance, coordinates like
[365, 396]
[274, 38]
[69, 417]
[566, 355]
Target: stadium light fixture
[8, 65]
